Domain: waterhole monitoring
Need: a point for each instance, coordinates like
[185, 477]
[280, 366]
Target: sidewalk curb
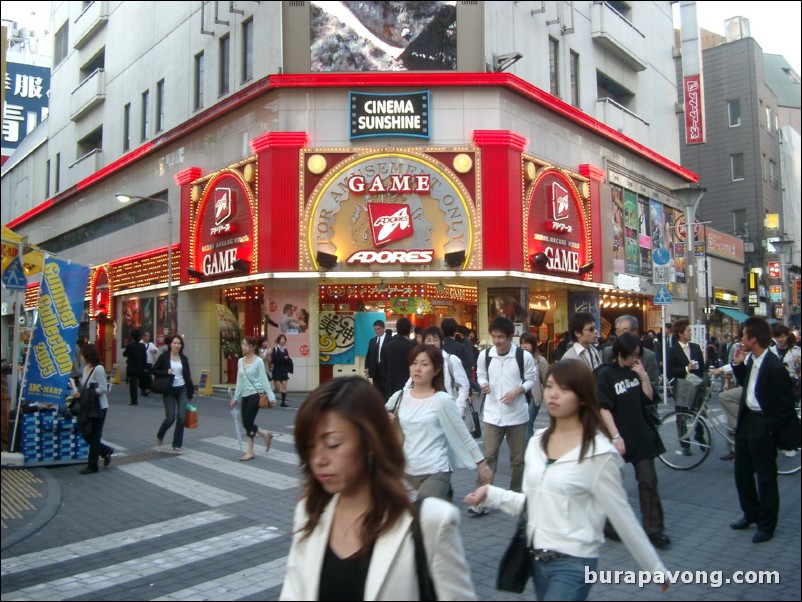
[45, 515]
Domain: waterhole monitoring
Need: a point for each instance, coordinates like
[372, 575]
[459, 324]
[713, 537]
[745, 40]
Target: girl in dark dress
[281, 367]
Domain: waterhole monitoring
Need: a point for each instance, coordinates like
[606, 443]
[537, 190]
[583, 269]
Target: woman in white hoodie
[572, 482]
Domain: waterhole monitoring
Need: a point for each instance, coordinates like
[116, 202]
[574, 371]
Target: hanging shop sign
[558, 228]
[389, 114]
[224, 240]
[389, 210]
[100, 307]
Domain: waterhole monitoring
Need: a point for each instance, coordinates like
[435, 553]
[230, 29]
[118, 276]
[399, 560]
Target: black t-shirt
[620, 391]
[344, 578]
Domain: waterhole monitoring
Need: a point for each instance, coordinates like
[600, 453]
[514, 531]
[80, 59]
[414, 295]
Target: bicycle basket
[689, 392]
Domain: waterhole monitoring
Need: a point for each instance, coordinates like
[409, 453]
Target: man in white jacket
[505, 375]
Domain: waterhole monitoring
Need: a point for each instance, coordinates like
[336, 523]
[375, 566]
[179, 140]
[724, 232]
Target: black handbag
[472, 421]
[515, 567]
[162, 384]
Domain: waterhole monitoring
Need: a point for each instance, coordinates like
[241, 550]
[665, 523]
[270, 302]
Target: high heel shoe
[268, 440]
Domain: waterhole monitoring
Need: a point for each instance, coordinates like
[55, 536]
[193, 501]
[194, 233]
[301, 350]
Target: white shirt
[751, 399]
[503, 376]
[151, 353]
[178, 372]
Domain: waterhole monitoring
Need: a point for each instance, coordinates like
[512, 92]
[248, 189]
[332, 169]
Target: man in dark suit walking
[373, 368]
[395, 358]
[767, 403]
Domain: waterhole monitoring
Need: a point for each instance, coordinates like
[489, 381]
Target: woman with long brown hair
[572, 482]
[356, 512]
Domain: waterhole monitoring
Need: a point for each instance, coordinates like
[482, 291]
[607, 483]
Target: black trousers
[249, 409]
[96, 447]
[756, 471]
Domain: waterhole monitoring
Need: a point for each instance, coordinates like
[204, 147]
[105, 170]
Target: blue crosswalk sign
[662, 297]
[14, 277]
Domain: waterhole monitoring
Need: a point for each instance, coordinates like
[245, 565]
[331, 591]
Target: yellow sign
[773, 221]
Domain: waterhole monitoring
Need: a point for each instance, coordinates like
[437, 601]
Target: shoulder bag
[515, 567]
[426, 589]
[396, 424]
[472, 421]
[264, 400]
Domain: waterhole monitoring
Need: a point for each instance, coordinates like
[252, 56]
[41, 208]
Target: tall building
[748, 98]
[311, 166]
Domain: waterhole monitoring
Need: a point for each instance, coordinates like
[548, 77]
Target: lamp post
[690, 198]
[784, 248]
[125, 198]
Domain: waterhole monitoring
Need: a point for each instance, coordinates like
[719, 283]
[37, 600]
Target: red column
[596, 177]
[184, 179]
[279, 178]
[502, 198]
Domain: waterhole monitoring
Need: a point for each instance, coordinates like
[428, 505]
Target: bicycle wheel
[687, 444]
[788, 461]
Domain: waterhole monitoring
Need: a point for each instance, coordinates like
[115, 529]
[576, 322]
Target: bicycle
[687, 434]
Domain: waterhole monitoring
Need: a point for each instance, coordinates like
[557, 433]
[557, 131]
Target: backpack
[519, 357]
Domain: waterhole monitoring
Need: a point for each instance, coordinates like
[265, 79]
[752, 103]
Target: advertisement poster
[679, 252]
[161, 316]
[662, 262]
[582, 302]
[132, 318]
[337, 337]
[60, 305]
[510, 303]
[619, 261]
[631, 233]
[228, 324]
[288, 314]
[644, 237]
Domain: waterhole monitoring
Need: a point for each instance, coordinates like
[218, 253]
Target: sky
[775, 25]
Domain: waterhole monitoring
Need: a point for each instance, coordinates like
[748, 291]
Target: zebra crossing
[229, 551]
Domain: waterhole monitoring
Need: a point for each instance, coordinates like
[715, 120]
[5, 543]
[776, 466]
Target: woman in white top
[94, 376]
[175, 402]
[251, 381]
[572, 482]
[436, 440]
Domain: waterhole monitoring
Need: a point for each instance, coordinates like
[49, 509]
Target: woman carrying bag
[252, 383]
[175, 395]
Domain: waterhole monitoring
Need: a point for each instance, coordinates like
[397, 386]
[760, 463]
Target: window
[145, 114]
[160, 105]
[223, 67]
[47, 180]
[554, 82]
[772, 171]
[127, 127]
[737, 166]
[58, 173]
[61, 47]
[198, 91]
[247, 50]
[574, 79]
[769, 118]
[791, 75]
[734, 112]
[739, 222]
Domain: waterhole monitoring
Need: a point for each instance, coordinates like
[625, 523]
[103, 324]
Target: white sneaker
[477, 510]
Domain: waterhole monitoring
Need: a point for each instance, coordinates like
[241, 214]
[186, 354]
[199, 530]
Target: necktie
[379, 342]
[687, 349]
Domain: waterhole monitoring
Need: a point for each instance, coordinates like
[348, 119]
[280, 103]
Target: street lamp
[125, 198]
[690, 198]
[784, 248]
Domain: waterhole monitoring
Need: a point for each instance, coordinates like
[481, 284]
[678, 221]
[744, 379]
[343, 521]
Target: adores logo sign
[389, 222]
[388, 256]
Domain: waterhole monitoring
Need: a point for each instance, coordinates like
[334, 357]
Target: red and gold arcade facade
[315, 243]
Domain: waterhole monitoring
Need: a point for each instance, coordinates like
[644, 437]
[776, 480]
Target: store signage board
[389, 115]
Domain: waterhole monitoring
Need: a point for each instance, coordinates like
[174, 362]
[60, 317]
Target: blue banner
[61, 304]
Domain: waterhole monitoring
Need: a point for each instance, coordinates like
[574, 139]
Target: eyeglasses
[589, 329]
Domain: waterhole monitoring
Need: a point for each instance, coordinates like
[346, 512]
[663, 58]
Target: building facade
[312, 172]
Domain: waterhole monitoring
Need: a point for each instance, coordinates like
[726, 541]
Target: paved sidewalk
[201, 525]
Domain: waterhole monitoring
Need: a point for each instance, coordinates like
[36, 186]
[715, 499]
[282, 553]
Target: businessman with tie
[373, 366]
[584, 335]
[767, 403]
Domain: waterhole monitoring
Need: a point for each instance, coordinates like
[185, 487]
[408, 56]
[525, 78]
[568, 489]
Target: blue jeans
[175, 405]
[530, 426]
[562, 578]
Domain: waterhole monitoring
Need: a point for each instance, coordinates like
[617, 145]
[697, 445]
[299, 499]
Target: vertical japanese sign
[337, 336]
[61, 303]
[631, 232]
[694, 109]
[662, 258]
[27, 91]
[644, 237]
[619, 243]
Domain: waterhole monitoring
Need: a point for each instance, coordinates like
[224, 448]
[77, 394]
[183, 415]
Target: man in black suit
[373, 368]
[453, 346]
[684, 357]
[395, 358]
[135, 364]
[767, 403]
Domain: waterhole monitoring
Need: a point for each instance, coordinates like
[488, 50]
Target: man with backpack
[506, 373]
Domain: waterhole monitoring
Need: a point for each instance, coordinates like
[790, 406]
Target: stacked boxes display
[47, 437]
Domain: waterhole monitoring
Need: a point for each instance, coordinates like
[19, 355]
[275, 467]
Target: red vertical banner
[694, 109]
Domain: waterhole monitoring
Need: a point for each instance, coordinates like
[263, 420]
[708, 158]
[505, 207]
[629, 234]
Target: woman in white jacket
[572, 482]
[352, 537]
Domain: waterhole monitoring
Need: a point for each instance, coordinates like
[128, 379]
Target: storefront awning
[736, 315]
